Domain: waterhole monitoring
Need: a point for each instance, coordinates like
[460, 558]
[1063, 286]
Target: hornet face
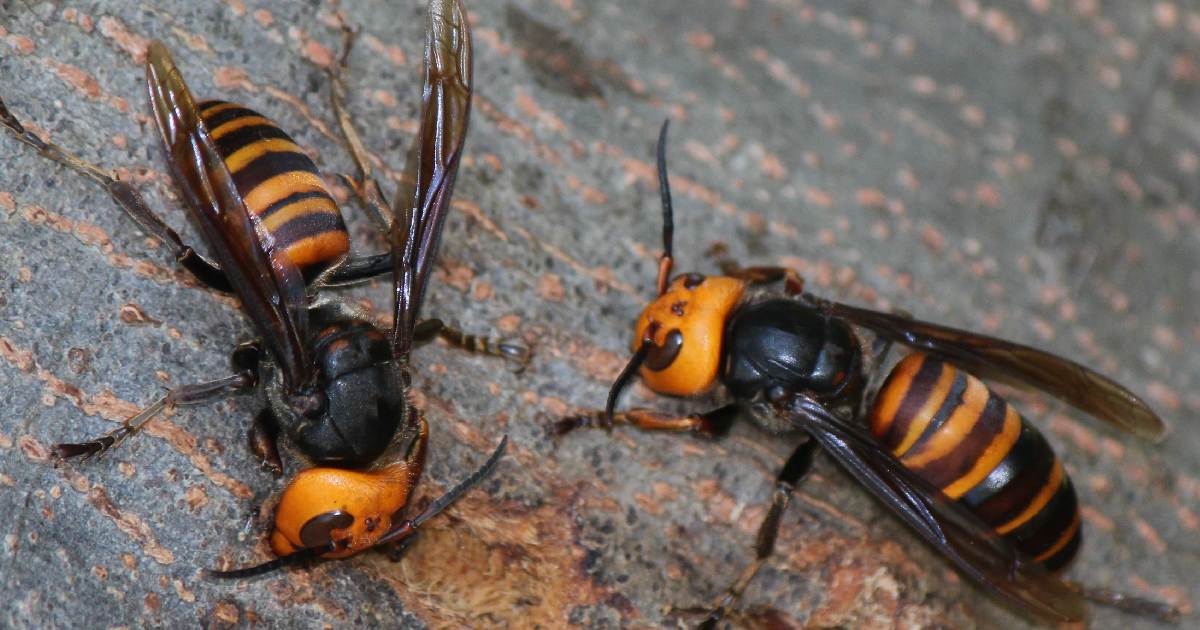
[684, 328]
[342, 509]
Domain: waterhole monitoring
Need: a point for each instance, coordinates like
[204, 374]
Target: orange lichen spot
[21, 44]
[116, 30]
[352, 507]
[693, 311]
[318, 54]
[264, 18]
[231, 78]
[550, 287]
[83, 82]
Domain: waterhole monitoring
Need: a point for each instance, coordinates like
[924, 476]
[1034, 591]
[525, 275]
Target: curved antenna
[398, 532]
[631, 368]
[300, 557]
[664, 273]
[408, 528]
[484, 471]
[668, 229]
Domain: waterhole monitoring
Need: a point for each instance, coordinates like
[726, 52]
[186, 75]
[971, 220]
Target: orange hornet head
[334, 513]
[684, 328]
[348, 508]
[677, 344]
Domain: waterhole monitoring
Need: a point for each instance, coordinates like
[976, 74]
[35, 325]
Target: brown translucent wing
[1010, 362]
[271, 289]
[424, 196]
[946, 525]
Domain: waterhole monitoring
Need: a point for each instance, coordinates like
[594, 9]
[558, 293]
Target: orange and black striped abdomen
[280, 186]
[952, 431]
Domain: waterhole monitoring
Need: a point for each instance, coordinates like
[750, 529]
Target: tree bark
[1026, 169]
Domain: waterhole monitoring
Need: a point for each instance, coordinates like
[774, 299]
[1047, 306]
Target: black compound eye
[693, 280]
[662, 356]
[316, 532]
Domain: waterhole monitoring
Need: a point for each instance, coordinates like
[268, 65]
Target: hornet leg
[1133, 605]
[206, 271]
[714, 423]
[264, 435]
[358, 269]
[793, 282]
[264, 431]
[427, 329]
[364, 185]
[184, 395]
[798, 464]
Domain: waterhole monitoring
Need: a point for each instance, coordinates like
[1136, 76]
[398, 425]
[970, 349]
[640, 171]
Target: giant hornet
[336, 384]
[933, 442]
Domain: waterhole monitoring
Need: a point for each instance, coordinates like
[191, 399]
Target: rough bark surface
[1028, 169]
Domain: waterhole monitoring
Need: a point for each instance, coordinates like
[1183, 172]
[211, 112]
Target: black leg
[427, 329]
[365, 185]
[264, 435]
[713, 423]
[264, 431]
[793, 282]
[798, 464]
[247, 356]
[1131, 604]
[359, 269]
[206, 271]
[183, 395]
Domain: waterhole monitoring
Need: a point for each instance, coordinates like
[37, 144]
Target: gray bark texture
[1023, 168]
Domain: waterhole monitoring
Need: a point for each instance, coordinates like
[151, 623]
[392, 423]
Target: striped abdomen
[280, 185]
[952, 431]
